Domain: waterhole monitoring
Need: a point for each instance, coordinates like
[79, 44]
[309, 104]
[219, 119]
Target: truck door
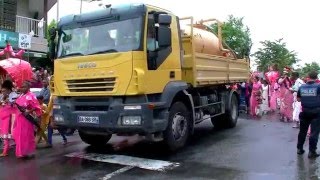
[163, 50]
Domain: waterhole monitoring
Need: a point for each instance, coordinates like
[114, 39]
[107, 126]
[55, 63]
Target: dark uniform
[309, 94]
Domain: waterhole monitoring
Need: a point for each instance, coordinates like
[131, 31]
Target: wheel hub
[179, 126]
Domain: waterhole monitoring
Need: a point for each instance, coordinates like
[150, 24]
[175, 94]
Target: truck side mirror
[164, 36]
[164, 19]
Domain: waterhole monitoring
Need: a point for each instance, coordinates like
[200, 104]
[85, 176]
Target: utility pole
[45, 16]
[58, 8]
[80, 6]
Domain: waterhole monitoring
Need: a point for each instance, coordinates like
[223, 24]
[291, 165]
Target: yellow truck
[140, 69]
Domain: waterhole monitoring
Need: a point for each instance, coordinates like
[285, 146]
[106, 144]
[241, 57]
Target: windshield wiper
[72, 54]
[104, 51]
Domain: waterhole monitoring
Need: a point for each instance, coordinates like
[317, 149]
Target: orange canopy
[19, 70]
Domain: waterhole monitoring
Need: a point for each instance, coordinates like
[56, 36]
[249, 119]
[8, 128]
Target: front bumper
[110, 112]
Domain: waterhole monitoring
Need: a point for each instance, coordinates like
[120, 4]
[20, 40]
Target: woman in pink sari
[286, 96]
[272, 77]
[7, 114]
[256, 89]
[282, 91]
[23, 128]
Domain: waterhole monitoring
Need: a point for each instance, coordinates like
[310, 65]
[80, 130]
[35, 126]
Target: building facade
[25, 18]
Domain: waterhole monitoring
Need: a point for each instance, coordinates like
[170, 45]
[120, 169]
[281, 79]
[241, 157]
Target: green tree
[236, 35]
[274, 52]
[308, 67]
[53, 24]
[47, 62]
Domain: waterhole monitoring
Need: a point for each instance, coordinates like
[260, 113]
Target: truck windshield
[119, 36]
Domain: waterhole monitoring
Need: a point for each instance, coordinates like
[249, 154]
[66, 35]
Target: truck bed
[201, 69]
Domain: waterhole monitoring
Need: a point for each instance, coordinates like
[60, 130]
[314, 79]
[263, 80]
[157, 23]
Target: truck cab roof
[118, 12]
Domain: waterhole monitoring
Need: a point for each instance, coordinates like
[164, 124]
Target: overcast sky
[296, 21]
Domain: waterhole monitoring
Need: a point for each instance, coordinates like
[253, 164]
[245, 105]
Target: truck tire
[94, 140]
[230, 118]
[178, 129]
[232, 113]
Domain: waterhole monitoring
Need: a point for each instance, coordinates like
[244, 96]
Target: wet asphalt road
[255, 149]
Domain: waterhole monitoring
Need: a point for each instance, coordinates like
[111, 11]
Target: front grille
[91, 108]
[89, 100]
[91, 85]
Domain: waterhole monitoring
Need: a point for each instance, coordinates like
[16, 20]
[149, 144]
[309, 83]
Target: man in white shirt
[296, 105]
[297, 80]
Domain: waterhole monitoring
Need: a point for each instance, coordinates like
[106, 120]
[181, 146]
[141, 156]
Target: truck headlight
[131, 120]
[58, 118]
[132, 107]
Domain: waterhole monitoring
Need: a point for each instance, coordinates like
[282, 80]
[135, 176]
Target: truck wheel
[94, 140]
[230, 118]
[232, 112]
[178, 130]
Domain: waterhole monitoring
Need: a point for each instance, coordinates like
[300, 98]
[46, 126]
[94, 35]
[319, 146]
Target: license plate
[88, 119]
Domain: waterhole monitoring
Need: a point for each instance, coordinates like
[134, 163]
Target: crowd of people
[296, 100]
[15, 123]
[22, 110]
[39, 75]
[273, 91]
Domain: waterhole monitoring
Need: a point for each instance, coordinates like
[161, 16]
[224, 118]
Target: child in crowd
[264, 107]
[44, 121]
[47, 123]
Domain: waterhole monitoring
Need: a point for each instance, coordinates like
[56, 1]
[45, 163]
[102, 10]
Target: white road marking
[117, 172]
[149, 164]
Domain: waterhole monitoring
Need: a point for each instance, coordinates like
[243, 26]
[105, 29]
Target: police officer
[309, 95]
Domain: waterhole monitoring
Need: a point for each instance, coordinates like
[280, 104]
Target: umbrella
[19, 70]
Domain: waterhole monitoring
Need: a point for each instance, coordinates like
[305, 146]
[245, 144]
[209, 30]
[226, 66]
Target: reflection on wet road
[254, 150]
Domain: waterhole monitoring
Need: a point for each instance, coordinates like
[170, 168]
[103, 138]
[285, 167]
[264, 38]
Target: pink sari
[288, 101]
[282, 92]
[23, 129]
[253, 99]
[273, 90]
[5, 125]
[275, 96]
[286, 109]
[5, 115]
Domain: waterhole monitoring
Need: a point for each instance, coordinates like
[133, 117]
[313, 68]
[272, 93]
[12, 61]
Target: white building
[25, 17]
